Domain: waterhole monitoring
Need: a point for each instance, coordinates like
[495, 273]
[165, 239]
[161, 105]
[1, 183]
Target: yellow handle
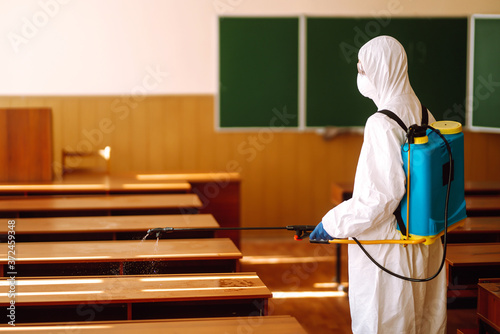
[376, 242]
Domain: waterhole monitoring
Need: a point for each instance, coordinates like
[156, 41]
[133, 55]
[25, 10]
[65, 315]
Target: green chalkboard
[484, 107]
[259, 61]
[436, 50]
[258, 72]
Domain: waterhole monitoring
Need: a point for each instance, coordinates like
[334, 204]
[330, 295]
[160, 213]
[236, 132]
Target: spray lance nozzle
[159, 230]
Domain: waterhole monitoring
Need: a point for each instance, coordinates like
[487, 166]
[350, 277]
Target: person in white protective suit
[379, 302]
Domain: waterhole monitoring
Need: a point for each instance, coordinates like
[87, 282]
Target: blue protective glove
[319, 233]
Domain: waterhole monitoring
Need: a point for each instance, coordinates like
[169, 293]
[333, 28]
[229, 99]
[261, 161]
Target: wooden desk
[99, 205]
[476, 229]
[55, 299]
[272, 324]
[219, 192]
[488, 305]
[483, 205]
[467, 263]
[482, 187]
[107, 227]
[125, 257]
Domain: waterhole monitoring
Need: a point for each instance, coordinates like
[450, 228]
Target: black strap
[399, 219]
[393, 116]
[425, 121]
[425, 116]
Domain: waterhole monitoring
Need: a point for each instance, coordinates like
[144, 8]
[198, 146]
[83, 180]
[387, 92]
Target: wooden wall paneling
[254, 185]
[481, 158]
[306, 170]
[70, 130]
[120, 137]
[287, 172]
[270, 191]
[4, 146]
[326, 164]
[55, 105]
[88, 119]
[492, 155]
[138, 123]
[473, 151]
[206, 132]
[190, 146]
[172, 140]
[156, 131]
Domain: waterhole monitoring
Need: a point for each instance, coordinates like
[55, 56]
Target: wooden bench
[107, 227]
[272, 324]
[93, 298]
[487, 205]
[125, 257]
[476, 230]
[99, 205]
[466, 264]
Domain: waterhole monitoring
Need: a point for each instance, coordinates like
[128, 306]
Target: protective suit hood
[385, 64]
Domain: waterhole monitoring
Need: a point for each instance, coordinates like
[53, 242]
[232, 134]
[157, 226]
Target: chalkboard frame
[471, 93]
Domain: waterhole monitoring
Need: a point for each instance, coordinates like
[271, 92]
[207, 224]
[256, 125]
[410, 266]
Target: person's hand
[319, 233]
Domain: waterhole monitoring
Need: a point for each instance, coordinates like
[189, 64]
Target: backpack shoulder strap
[394, 117]
[425, 116]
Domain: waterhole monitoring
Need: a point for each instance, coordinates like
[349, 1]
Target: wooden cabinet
[25, 144]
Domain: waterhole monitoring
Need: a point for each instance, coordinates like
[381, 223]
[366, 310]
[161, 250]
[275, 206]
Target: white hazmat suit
[379, 302]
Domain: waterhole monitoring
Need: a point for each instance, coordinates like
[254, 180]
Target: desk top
[482, 187]
[110, 202]
[119, 183]
[478, 225]
[114, 186]
[492, 288]
[190, 177]
[94, 224]
[486, 254]
[130, 289]
[271, 324]
[122, 250]
[483, 203]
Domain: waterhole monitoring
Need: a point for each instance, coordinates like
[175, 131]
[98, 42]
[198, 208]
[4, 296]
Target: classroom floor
[286, 265]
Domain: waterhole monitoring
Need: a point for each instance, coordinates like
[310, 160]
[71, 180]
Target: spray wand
[301, 231]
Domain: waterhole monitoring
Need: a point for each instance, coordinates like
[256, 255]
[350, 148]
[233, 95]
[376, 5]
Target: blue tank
[429, 170]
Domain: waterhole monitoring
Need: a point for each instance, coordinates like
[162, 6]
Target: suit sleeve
[379, 183]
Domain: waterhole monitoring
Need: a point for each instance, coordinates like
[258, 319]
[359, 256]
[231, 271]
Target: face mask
[365, 87]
